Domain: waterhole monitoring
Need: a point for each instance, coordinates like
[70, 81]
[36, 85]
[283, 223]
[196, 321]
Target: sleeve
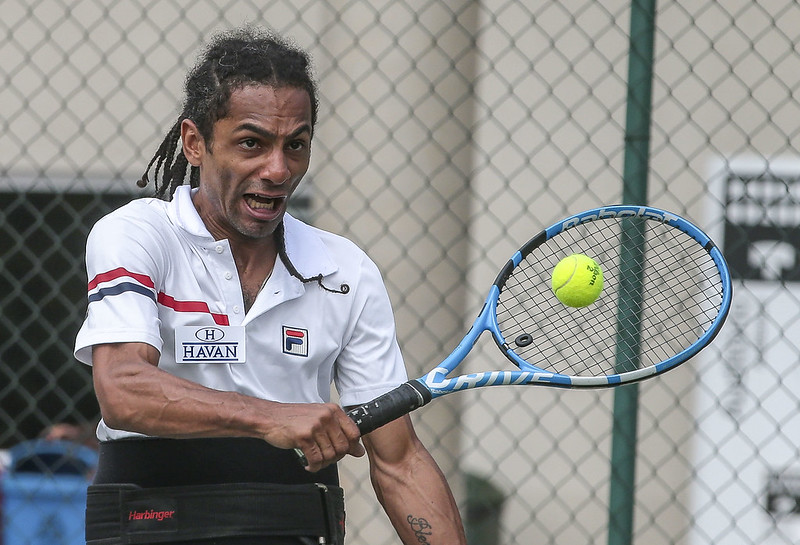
[371, 362]
[123, 268]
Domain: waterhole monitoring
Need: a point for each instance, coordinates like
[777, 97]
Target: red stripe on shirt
[162, 298]
[191, 306]
[119, 273]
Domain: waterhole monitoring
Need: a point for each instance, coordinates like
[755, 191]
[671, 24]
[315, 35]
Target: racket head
[664, 279]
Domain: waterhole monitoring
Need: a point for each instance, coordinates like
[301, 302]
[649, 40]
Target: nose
[275, 168]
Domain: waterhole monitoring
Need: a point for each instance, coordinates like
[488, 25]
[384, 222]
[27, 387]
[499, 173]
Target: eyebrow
[269, 135]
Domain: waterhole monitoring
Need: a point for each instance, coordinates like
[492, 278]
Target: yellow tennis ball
[577, 280]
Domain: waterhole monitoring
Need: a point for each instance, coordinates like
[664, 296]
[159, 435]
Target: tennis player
[217, 322]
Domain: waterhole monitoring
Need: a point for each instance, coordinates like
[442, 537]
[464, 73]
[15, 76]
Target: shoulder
[310, 246]
[143, 211]
[298, 230]
[146, 220]
[314, 251]
[140, 227]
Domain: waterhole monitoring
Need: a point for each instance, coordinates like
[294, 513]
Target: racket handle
[390, 406]
[383, 409]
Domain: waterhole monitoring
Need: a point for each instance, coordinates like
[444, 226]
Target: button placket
[221, 265]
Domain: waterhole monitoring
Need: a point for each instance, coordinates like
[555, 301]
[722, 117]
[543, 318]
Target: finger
[311, 459]
[320, 453]
[301, 457]
[331, 451]
[357, 450]
[348, 436]
[314, 464]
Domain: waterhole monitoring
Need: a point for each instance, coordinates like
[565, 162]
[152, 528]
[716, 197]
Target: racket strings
[683, 290]
[671, 283]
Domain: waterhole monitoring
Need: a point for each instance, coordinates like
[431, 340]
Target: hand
[323, 432]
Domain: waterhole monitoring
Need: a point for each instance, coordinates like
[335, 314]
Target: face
[257, 157]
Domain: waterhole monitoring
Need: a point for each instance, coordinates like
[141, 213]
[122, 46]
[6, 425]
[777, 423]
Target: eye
[249, 143]
[297, 145]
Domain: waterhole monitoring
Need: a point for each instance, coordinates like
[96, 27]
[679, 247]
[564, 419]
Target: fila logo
[295, 341]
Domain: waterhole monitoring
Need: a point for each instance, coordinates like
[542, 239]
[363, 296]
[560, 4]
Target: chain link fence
[449, 133]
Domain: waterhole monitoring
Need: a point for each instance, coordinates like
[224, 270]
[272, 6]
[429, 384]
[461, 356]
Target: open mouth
[260, 202]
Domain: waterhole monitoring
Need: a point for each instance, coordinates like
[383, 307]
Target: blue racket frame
[436, 383]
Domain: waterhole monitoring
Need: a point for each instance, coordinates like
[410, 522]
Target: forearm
[418, 500]
[423, 511]
[141, 398]
[135, 395]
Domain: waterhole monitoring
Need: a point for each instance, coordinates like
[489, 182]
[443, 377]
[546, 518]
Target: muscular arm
[135, 395]
[411, 487]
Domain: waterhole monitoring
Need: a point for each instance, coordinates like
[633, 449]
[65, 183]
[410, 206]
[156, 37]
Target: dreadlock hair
[344, 289]
[232, 60]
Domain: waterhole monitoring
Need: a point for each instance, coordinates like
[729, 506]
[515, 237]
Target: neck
[254, 268]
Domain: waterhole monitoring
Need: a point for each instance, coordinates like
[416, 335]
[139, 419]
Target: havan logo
[208, 344]
[209, 334]
[295, 341]
[210, 348]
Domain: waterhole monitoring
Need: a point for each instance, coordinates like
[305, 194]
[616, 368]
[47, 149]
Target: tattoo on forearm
[421, 527]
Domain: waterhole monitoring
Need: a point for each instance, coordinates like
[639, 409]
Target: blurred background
[449, 133]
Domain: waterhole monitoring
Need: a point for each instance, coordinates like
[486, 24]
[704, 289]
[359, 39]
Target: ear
[193, 144]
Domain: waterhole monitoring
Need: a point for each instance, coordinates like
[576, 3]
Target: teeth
[259, 204]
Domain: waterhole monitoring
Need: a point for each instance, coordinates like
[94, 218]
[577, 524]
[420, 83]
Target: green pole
[637, 150]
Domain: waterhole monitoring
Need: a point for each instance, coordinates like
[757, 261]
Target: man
[217, 322]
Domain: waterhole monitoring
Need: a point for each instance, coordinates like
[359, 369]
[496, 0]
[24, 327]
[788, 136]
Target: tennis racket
[667, 292]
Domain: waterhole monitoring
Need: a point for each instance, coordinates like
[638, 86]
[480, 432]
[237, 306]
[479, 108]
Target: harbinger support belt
[150, 462]
[123, 514]
[155, 490]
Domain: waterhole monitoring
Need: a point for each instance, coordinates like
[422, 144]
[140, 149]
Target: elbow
[116, 410]
[116, 396]
[121, 374]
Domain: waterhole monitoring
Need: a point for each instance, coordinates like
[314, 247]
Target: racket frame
[418, 392]
[437, 382]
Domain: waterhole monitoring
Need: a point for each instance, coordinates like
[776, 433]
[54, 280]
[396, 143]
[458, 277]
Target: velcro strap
[127, 514]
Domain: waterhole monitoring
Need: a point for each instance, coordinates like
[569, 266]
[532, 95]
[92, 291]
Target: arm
[135, 395]
[411, 487]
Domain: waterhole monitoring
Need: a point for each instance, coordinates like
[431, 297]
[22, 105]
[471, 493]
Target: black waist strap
[126, 514]
[156, 462]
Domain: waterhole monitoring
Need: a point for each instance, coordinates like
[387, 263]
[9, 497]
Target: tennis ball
[577, 280]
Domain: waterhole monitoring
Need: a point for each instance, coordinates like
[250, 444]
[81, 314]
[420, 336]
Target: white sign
[210, 344]
[747, 464]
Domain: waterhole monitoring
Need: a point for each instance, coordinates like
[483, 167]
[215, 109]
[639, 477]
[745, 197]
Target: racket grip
[383, 409]
[390, 406]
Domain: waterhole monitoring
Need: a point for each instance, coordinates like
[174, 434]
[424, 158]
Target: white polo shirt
[157, 276]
